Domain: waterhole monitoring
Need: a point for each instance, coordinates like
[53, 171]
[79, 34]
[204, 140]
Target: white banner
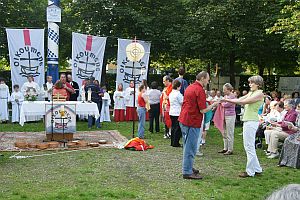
[87, 56]
[26, 53]
[125, 72]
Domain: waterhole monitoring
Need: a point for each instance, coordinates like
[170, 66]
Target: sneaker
[268, 153]
[199, 154]
[228, 153]
[166, 137]
[258, 173]
[222, 151]
[195, 171]
[192, 176]
[273, 155]
[244, 175]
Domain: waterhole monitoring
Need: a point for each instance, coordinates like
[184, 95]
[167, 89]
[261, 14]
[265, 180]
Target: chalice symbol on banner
[134, 52]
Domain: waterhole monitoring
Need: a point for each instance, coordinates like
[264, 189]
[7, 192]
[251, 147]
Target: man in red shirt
[190, 119]
[67, 86]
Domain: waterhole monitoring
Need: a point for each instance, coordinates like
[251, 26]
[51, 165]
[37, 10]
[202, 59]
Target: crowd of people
[187, 112]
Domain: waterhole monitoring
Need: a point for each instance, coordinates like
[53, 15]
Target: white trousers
[249, 132]
[229, 132]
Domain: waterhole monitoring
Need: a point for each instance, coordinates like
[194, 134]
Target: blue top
[208, 115]
[96, 90]
[184, 84]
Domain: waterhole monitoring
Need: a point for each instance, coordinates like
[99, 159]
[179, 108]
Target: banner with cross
[133, 61]
[87, 56]
[26, 53]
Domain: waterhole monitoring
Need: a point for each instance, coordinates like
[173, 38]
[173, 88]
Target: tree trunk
[208, 71]
[232, 58]
[261, 70]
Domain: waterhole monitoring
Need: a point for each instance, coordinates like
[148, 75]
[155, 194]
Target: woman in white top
[119, 108]
[176, 100]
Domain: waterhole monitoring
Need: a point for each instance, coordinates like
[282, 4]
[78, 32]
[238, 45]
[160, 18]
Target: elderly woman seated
[290, 154]
[280, 131]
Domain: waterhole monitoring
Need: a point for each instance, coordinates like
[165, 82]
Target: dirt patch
[8, 139]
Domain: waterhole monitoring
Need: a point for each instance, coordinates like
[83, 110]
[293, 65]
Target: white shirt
[129, 97]
[154, 96]
[119, 99]
[176, 100]
[32, 84]
[4, 92]
[16, 96]
[49, 90]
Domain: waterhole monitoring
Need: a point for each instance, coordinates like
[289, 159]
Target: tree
[288, 26]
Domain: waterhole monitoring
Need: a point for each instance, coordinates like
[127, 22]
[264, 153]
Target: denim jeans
[97, 121]
[142, 119]
[190, 138]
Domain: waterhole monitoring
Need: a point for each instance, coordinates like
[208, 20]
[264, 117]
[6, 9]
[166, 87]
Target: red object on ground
[137, 144]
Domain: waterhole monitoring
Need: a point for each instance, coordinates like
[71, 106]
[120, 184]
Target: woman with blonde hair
[252, 102]
[230, 116]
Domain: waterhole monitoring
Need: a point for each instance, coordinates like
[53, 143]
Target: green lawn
[123, 174]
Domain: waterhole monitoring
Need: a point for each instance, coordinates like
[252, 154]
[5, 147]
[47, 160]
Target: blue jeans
[190, 138]
[142, 118]
[97, 121]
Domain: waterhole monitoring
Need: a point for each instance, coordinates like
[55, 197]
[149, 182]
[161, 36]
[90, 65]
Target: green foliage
[288, 26]
[191, 33]
[154, 174]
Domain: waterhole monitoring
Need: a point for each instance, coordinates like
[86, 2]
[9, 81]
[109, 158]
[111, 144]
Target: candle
[83, 96]
[89, 94]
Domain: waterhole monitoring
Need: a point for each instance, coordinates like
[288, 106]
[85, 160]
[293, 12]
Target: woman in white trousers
[252, 101]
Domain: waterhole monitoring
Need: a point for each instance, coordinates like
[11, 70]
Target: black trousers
[154, 115]
[176, 132]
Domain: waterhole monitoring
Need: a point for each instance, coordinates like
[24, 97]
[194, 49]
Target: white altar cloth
[38, 108]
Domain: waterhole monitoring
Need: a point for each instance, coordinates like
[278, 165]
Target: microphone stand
[52, 115]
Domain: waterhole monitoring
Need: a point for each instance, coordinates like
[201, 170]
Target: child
[4, 95]
[105, 116]
[119, 108]
[16, 99]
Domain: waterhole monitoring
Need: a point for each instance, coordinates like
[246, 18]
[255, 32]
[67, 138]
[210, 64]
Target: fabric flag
[125, 72]
[219, 118]
[26, 54]
[87, 56]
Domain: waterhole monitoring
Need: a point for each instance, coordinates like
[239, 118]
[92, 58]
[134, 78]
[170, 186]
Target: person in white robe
[119, 106]
[31, 87]
[4, 97]
[131, 113]
[105, 115]
[16, 100]
[48, 87]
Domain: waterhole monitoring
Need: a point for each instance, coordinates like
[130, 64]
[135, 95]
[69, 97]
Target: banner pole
[53, 42]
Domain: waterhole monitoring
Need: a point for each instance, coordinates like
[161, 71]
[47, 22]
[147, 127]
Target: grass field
[123, 174]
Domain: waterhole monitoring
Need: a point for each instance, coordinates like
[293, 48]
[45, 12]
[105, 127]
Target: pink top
[229, 107]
